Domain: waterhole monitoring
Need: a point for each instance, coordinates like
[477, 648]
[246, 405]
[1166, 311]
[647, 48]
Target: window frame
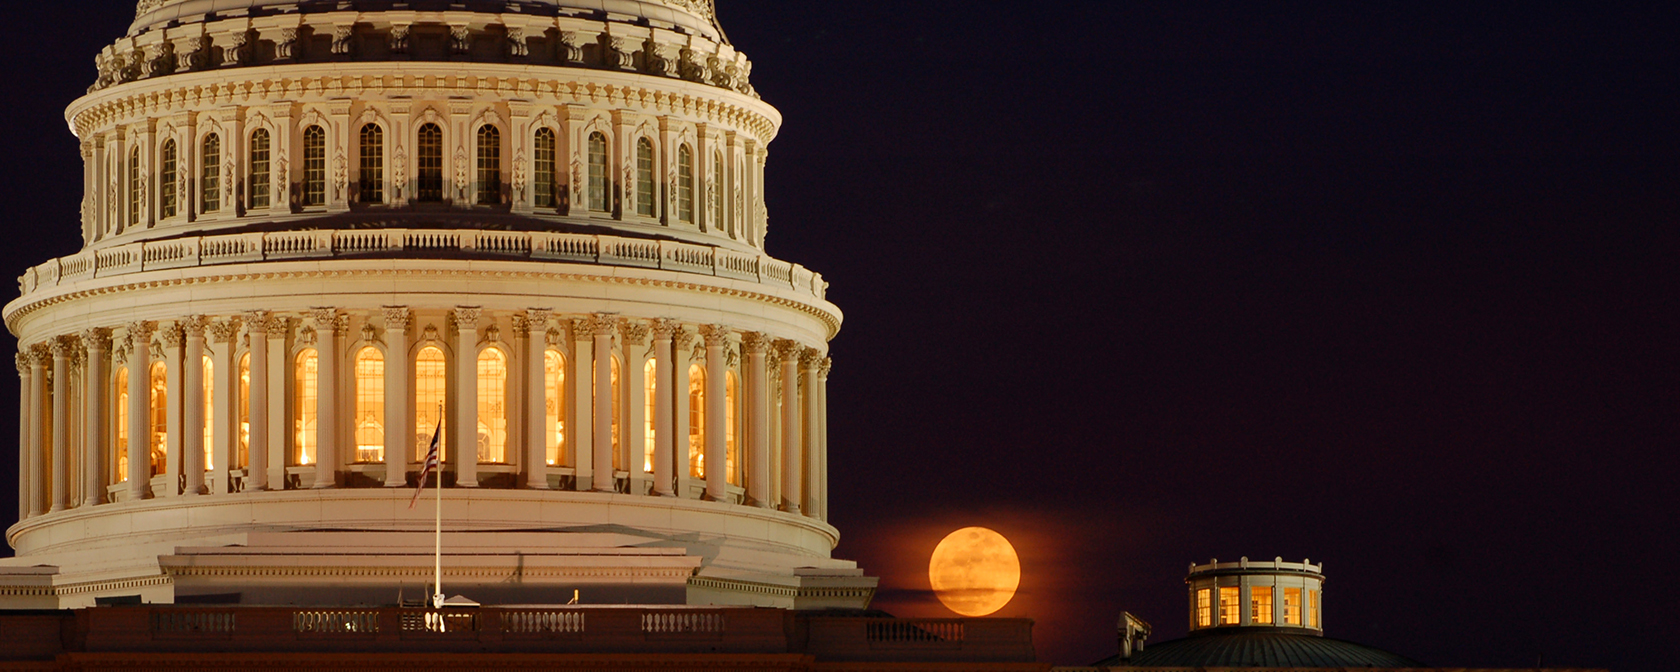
[313, 192]
[370, 164]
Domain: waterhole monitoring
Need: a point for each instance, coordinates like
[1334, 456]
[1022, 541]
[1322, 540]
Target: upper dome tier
[692, 16]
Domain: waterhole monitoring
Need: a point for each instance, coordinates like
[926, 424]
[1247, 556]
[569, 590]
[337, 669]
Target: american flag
[431, 464]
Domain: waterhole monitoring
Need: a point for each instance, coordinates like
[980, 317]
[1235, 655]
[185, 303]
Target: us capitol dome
[315, 232]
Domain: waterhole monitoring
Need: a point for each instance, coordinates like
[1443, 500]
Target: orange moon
[974, 571]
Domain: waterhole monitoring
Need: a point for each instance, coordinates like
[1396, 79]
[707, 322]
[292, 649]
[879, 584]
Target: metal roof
[1267, 647]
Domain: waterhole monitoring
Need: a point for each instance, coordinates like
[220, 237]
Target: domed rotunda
[317, 232]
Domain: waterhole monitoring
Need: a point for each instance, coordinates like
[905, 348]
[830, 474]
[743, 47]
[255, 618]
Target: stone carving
[341, 326]
[521, 326]
[397, 317]
[256, 321]
[306, 335]
[538, 318]
[620, 53]
[399, 171]
[662, 328]
[661, 58]
[492, 334]
[146, 6]
[159, 60]
[286, 47]
[282, 177]
[190, 55]
[341, 176]
[398, 41]
[519, 176]
[342, 36]
[789, 349]
[809, 359]
[715, 334]
[97, 339]
[571, 47]
[635, 332]
[40, 355]
[233, 53]
[755, 342]
[732, 357]
[460, 39]
[466, 317]
[517, 47]
[461, 174]
[604, 324]
[131, 66]
[22, 364]
[194, 326]
[61, 346]
[224, 331]
[553, 336]
[430, 333]
[692, 68]
[825, 367]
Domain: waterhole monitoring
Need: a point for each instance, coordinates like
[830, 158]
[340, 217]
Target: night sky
[1391, 286]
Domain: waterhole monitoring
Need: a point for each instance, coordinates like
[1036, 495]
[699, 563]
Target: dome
[1258, 647]
[691, 16]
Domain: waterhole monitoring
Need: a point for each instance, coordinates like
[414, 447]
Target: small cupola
[1257, 594]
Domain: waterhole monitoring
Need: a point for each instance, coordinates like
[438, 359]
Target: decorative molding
[635, 332]
[397, 317]
[755, 342]
[664, 328]
[716, 335]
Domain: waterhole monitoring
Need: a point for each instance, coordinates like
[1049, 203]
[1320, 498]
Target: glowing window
[314, 166]
[1314, 614]
[259, 168]
[716, 193]
[650, 394]
[730, 429]
[210, 174]
[1260, 605]
[209, 414]
[428, 158]
[645, 186]
[618, 458]
[1230, 605]
[597, 172]
[370, 406]
[304, 407]
[160, 418]
[685, 184]
[136, 188]
[489, 165]
[121, 388]
[1292, 606]
[244, 412]
[554, 377]
[542, 183]
[492, 406]
[166, 181]
[696, 421]
[430, 388]
[1204, 607]
[371, 186]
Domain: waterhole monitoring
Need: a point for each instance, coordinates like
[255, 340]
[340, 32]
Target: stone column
[26, 428]
[466, 397]
[604, 328]
[280, 370]
[681, 358]
[792, 453]
[717, 447]
[632, 379]
[819, 479]
[192, 387]
[809, 363]
[139, 410]
[536, 400]
[399, 428]
[94, 395]
[758, 420]
[36, 474]
[60, 348]
[224, 334]
[256, 447]
[580, 398]
[174, 340]
[327, 331]
[664, 387]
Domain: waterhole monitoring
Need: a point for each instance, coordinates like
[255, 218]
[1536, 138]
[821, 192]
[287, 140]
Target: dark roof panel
[1268, 648]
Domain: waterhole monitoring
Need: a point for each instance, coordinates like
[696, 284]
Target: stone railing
[243, 248]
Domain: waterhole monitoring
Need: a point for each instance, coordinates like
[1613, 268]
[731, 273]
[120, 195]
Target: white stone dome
[691, 16]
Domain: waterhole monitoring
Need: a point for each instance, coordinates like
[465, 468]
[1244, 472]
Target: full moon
[974, 571]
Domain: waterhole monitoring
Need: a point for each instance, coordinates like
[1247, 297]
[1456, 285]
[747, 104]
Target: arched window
[314, 166]
[371, 186]
[428, 157]
[542, 183]
[716, 191]
[120, 386]
[244, 412]
[617, 454]
[160, 418]
[136, 188]
[492, 406]
[167, 206]
[209, 414]
[696, 421]
[210, 174]
[430, 388]
[598, 172]
[650, 388]
[732, 429]
[646, 188]
[685, 185]
[259, 168]
[554, 378]
[304, 409]
[370, 406]
[489, 165]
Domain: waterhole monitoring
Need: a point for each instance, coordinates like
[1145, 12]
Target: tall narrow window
[259, 185]
[696, 421]
[492, 406]
[210, 174]
[685, 185]
[1230, 605]
[160, 418]
[136, 188]
[613, 389]
[428, 157]
[371, 186]
[715, 193]
[370, 406]
[430, 388]
[489, 165]
[1315, 616]
[209, 414]
[244, 412]
[304, 410]
[597, 172]
[731, 432]
[167, 206]
[646, 188]
[314, 166]
[1260, 605]
[542, 183]
[1292, 606]
[650, 392]
[554, 379]
[120, 385]
[1204, 607]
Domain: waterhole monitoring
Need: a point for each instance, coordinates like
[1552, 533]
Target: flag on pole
[431, 464]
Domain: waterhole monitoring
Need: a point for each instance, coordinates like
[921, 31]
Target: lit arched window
[696, 421]
[489, 165]
[685, 185]
[120, 385]
[650, 387]
[314, 166]
[304, 407]
[371, 186]
[167, 206]
[259, 168]
[492, 406]
[209, 414]
[136, 188]
[645, 186]
[210, 174]
[370, 406]
[731, 429]
[716, 191]
[428, 157]
[160, 418]
[617, 456]
[430, 388]
[554, 378]
[542, 183]
[597, 172]
[244, 412]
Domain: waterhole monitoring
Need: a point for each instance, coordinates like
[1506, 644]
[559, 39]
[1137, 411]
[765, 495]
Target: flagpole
[437, 534]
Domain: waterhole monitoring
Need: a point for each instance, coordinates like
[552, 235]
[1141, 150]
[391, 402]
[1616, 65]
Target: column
[604, 327]
[717, 447]
[580, 396]
[465, 445]
[174, 340]
[26, 427]
[256, 448]
[339, 138]
[36, 475]
[225, 405]
[280, 372]
[792, 456]
[809, 362]
[536, 400]
[328, 326]
[663, 388]
[681, 445]
[94, 395]
[398, 427]
[758, 419]
[521, 152]
[60, 349]
[819, 477]
[280, 191]
[139, 410]
[632, 380]
[192, 387]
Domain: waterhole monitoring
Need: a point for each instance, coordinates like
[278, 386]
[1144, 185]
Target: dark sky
[1387, 285]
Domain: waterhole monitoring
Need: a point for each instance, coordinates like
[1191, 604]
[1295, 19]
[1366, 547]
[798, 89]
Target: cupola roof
[691, 16]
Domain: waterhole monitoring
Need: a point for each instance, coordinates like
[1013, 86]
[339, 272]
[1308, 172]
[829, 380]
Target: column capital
[789, 350]
[256, 321]
[810, 359]
[173, 336]
[716, 335]
[467, 316]
[22, 363]
[61, 347]
[826, 366]
[664, 327]
[224, 331]
[97, 339]
[39, 355]
[324, 316]
[194, 326]
[521, 326]
[538, 317]
[635, 332]
[755, 342]
[140, 331]
[604, 324]
[397, 317]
